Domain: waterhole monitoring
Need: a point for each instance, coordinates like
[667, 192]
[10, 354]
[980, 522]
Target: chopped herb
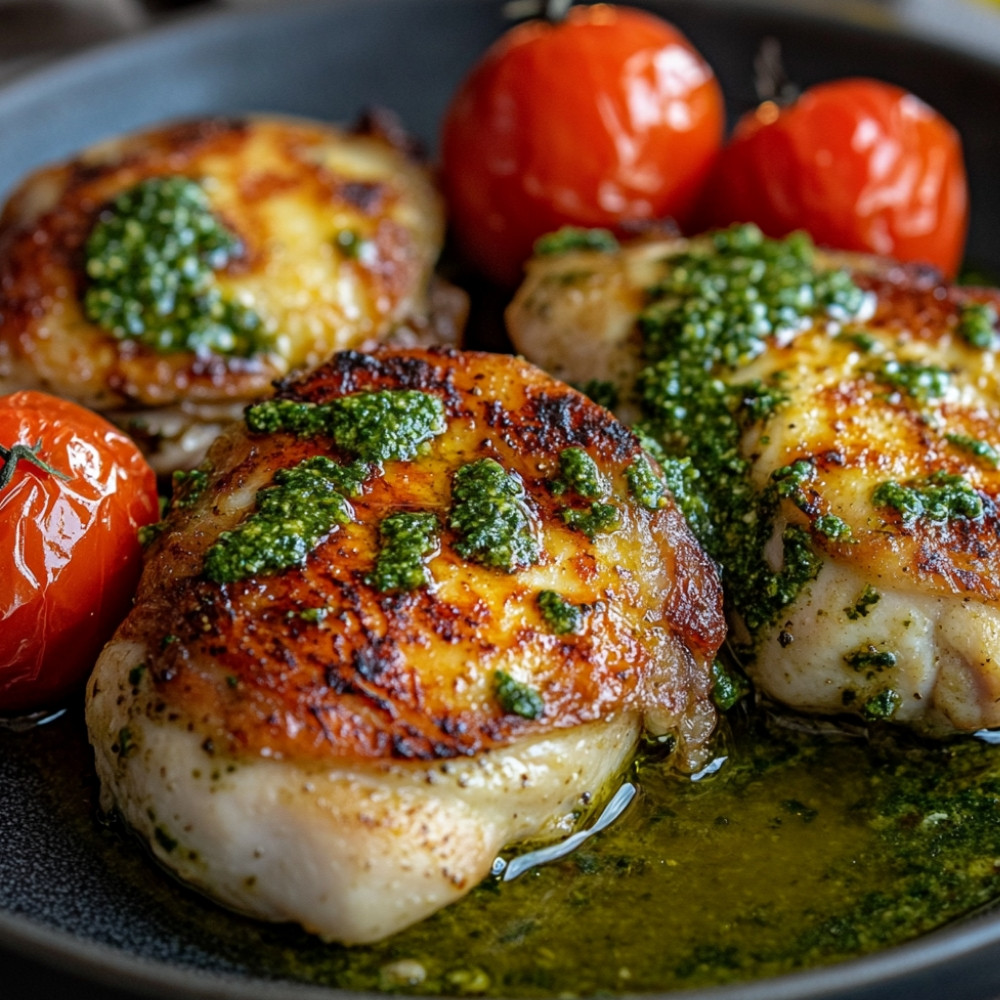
[924, 383]
[976, 446]
[136, 673]
[646, 486]
[305, 503]
[350, 243]
[977, 324]
[833, 527]
[375, 426]
[868, 599]
[406, 540]
[870, 658]
[863, 341]
[490, 516]
[126, 744]
[188, 487]
[578, 473]
[517, 698]
[314, 616]
[941, 496]
[562, 616]
[729, 686]
[597, 518]
[790, 480]
[150, 263]
[570, 238]
[882, 706]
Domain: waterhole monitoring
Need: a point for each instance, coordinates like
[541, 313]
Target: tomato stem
[24, 453]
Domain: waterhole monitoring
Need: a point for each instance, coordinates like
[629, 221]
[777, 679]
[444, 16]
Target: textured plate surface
[80, 913]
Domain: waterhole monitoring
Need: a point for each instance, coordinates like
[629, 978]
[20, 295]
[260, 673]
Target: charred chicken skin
[419, 605]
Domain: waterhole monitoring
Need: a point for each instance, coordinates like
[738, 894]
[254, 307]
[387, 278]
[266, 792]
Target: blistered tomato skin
[69, 551]
[608, 116]
[860, 164]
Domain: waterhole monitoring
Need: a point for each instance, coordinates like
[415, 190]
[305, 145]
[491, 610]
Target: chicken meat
[167, 277]
[829, 423]
[417, 606]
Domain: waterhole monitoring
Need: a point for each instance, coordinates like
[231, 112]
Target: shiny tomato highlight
[69, 552]
[857, 163]
[606, 117]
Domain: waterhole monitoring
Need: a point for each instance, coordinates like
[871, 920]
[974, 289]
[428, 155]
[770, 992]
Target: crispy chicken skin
[285, 188]
[903, 607]
[358, 768]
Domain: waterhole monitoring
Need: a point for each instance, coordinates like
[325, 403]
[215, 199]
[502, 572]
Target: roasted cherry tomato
[73, 493]
[859, 164]
[610, 115]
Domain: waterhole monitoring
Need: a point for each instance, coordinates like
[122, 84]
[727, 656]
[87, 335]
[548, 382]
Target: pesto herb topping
[305, 503]
[868, 599]
[977, 324]
[516, 697]
[571, 238]
[490, 517]
[925, 383]
[983, 450]
[870, 659]
[578, 473]
[150, 262]
[381, 426]
[406, 540]
[188, 486]
[594, 520]
[715, 310]
[882, 706]
[646, 486]
[729, 686]
[941, 496]
[562, 616]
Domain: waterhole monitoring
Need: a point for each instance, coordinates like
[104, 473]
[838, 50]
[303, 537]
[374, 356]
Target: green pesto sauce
[982, 450]
[592, 520]
[188, 486]
[578, 473]
[941, 496]
[866, 601]
[563, 617]
[490, 517]
[290, 517]
[388, 425]
[150, 262]
[802, 850]
[643, 482]
[977, 324]
[729, 685]
[570, 238]
[406, 540]
[517, 698]
[713, 312]
[925, 383]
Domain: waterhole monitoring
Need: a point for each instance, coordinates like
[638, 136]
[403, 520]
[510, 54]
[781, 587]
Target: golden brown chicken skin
[867, 436]
[335, 235]
[460, 682]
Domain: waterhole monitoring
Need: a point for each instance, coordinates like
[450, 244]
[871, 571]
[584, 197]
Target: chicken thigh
[829, 424]
[168, 277]
[417, 606]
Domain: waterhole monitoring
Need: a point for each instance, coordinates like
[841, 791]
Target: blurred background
[33, 32]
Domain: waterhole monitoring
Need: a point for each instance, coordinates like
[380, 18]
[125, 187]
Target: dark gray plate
[81, 912]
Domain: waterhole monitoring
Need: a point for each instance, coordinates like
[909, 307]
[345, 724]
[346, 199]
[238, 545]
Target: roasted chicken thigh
[419, 605]
[168, 277]
[830, 425]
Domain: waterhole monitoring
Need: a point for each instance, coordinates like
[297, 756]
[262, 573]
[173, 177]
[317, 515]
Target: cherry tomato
[607, 116]
[75, 492]
[859, 164]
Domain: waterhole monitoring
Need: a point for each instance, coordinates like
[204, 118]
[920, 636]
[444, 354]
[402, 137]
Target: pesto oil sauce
[801, 850]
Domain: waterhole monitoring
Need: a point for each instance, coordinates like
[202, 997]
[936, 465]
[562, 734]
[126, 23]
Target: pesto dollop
[150, 262]
[387, 425]
[977, 324]
[562, 616]
[406, 540]
[517, 698]
[714, 311]
[571, 238]
[941, 496]
[490, 517]
[578, 473]
[305, 503]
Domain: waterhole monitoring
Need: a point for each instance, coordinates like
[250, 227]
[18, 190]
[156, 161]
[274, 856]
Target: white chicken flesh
[830, 424]
[418, 606]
